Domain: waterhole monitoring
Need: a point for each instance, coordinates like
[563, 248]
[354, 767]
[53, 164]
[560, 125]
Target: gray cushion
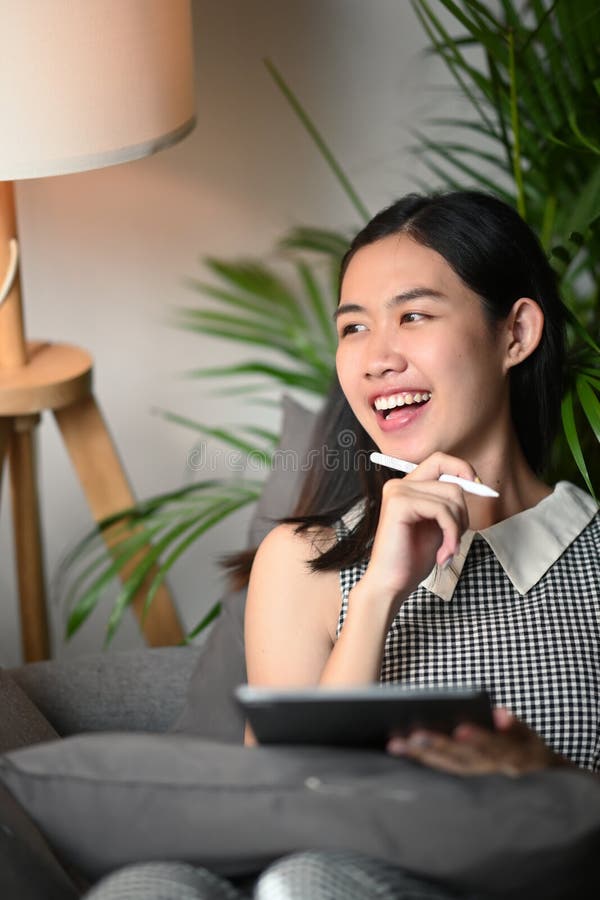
[210, 710]
[234, 809]
[133, 690]
[288, 468]
[28, 868]
[21, 723]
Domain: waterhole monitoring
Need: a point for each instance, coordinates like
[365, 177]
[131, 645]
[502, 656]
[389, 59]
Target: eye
[412, 317]
[351, 328]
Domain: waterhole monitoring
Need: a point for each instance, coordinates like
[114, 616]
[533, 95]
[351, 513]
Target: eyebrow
[404, 297]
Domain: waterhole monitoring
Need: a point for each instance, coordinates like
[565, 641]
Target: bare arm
[291, 618]
[288, 633]
[292, 612]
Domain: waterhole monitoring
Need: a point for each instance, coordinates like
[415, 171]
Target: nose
[384, 354]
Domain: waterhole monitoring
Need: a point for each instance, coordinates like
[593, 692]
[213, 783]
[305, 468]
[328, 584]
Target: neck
[508, 473]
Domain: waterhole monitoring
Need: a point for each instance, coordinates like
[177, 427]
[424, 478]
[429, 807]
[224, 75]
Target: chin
[407, 451]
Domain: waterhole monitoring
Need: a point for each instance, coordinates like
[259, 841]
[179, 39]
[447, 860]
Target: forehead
[394, 264]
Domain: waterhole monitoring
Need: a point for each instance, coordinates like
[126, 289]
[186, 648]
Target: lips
[404, 399]
[400, 416]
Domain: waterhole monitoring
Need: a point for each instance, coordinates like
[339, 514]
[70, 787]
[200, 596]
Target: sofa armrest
[132, 690]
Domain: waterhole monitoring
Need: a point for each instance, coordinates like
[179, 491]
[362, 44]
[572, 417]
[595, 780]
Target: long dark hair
[496, 255]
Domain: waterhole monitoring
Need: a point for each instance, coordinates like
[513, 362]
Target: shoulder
[291, 610]
[286, 543]
[283, 585]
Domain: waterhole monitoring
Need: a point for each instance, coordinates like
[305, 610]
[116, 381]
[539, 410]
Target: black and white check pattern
[537, 654]
[344, 875]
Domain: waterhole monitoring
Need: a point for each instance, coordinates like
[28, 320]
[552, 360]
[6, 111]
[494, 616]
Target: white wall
[104, 253]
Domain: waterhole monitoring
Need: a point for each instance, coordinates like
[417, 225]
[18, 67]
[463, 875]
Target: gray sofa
[127, 757]
[137, 756]
[138, 690]
[146, 692]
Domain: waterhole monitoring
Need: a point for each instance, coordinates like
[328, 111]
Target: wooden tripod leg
[28, 542]
[105, 485]
[5, 433]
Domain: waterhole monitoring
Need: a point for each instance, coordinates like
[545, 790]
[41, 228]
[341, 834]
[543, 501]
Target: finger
[442, 503]
[505, 721]
[493, 746]
[443, 464]
[442, 753]
[403, 487]
[503, 718]
[411, 497]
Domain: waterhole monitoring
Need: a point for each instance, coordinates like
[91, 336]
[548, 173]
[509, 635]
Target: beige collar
[526, 544]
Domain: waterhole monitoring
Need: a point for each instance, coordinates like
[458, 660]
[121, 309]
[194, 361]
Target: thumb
[503, 719]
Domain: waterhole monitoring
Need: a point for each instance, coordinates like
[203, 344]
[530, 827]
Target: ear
[524, 326]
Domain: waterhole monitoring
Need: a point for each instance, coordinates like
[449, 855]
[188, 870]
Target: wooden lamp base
[39, 376]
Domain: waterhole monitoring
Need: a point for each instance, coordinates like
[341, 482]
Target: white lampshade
[91, 83]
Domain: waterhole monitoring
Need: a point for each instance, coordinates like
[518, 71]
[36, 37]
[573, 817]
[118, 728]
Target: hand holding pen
[402, 465]
[421, 521]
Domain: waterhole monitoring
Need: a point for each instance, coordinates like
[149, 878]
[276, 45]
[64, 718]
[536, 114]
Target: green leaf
[262, 308]
[210, 616]
[319, 141]
[589, 403]
[581, 332]
[586, 207]
[317, 240]
[476, 177]
[448, 51]
[258, 282]
[322, 310]
[312, 383]
[87, 604]
[570, 431]
[272, 437]
[220, 512]
[220, 434]
[133, 584]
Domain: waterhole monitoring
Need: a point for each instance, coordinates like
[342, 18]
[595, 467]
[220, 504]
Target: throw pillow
[28, 868]
[235, 809]
[282, 487]
[21, 722]
[210, 710]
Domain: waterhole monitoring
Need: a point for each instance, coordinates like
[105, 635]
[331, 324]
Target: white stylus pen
[401, 465]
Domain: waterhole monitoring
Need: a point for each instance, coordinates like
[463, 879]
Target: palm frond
[318, 139]
[175, 520]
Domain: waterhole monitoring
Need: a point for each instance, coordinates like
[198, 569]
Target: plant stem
[324, 150]
[548, 221]
[514, 118]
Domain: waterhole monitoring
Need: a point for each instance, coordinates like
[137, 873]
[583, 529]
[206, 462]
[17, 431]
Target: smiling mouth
[385, 405]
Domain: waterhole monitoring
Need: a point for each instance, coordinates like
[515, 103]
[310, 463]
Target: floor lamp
[82, 86]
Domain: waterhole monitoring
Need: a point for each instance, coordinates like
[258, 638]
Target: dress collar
[527, 544]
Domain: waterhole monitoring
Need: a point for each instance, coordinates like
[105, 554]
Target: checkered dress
[537, 654]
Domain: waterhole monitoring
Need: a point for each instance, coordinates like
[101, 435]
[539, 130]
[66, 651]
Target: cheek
[348, 373]
[344, 367]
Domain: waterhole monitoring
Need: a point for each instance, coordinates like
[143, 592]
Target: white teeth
[391, 402]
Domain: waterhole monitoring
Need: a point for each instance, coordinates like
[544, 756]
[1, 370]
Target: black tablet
[358, 717]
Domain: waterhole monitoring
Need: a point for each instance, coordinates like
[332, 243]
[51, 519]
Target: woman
[450, 355]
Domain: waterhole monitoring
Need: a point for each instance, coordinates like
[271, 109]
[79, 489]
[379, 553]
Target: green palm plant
[252, 305]
[532, 135]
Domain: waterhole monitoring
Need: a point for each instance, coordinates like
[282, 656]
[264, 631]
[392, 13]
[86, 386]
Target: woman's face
[417, 360]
